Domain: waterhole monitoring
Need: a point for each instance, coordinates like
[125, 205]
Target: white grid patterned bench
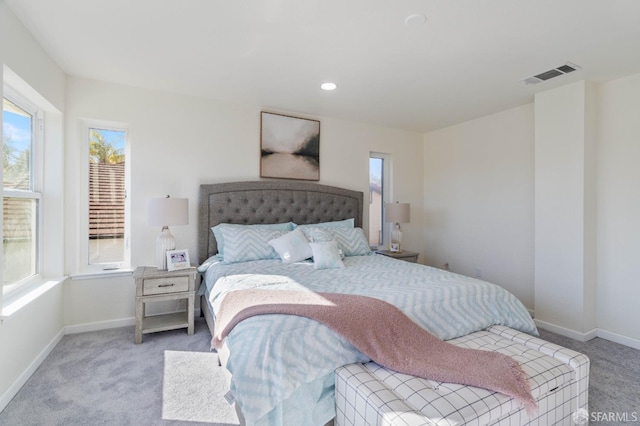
[368, 394]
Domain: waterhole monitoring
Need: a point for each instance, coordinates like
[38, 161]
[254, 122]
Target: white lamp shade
[397, 212]
[168, 211]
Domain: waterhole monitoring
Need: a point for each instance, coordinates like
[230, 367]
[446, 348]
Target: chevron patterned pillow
[217, 230]
[352, 242]
[245, 244]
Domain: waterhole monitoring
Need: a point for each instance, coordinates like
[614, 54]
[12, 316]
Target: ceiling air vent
[552, 73]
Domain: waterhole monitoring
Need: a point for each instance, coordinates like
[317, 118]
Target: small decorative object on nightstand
[409, 256]
[153, 285]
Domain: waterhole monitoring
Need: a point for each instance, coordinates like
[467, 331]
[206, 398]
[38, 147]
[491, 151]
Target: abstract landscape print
[290, 147]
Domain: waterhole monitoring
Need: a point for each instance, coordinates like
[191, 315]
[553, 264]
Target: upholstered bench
[368, 394]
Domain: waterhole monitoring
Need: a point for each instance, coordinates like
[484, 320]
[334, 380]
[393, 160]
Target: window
[22, 130]
[377, 196]
[107, 230]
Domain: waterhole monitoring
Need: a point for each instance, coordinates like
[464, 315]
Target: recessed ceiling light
[328, 86]
[415, 20]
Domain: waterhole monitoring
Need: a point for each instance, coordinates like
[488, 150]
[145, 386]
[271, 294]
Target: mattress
[284, 365]
[368, 394]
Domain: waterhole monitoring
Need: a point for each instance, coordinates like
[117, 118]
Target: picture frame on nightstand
[394, 247]
[177, 260]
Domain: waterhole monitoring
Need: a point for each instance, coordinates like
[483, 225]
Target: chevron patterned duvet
[282, 366]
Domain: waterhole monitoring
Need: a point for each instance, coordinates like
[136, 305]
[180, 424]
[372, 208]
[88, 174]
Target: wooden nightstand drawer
[165, 285]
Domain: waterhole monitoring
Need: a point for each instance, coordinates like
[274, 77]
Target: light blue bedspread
[282, 366]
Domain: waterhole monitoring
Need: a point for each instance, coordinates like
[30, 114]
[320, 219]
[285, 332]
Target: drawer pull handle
[166, 285]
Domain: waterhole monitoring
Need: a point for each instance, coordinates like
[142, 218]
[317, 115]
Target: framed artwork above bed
[290, 147]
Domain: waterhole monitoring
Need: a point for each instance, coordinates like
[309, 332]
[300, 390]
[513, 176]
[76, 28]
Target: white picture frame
[178, 259]
[394, 247]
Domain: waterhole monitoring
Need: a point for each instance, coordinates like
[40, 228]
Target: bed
[281, 366]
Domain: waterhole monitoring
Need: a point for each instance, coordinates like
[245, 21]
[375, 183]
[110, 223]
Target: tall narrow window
[107, 239]
[21, 133]
[376, 199]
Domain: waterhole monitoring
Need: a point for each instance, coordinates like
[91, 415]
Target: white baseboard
[99, 325]
[105, 325]
[22, 379]
[623, 340]
[583, 337]
[576, 335]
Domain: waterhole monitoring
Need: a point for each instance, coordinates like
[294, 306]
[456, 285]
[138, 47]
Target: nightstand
[409, 256]
[153, 285]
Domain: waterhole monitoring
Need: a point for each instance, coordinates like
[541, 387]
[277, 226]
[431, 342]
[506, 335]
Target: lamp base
[396, 239]
[165, 242]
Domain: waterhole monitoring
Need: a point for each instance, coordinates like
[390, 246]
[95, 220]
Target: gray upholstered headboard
[271, 202]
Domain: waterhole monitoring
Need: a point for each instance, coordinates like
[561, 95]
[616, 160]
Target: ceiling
[466, 61]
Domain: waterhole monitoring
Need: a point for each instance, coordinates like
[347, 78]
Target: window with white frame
[107, 231]
[22, 165]
[378, 176]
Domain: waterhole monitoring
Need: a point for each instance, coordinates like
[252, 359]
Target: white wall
[22, 53]
[178, 142]
[470, 167]
[564, 207]
[478, 199]
[618, 208]
[26, 337]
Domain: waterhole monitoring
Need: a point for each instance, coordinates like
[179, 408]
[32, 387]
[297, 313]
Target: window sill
[22, 297]
[92, 275]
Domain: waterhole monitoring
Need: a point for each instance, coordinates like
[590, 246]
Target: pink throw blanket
[386, 335]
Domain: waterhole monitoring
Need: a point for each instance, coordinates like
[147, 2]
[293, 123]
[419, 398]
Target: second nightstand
[153, 285]
[409, 256]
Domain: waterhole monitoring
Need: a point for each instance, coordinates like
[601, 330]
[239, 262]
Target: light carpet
[102, 378]
[193, 389]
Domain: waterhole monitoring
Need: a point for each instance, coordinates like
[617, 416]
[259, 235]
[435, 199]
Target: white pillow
[249, 243]
[325, 255]
[292, 247]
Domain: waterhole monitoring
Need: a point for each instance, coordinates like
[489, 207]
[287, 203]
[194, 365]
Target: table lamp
[397, 213]
[166, 212]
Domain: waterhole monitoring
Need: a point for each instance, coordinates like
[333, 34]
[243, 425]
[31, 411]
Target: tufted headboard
[271, 202]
